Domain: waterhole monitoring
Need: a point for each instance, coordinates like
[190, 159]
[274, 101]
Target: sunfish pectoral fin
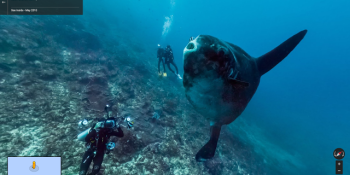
[236, 82]
[208, 150]
[239, 83]
[272, 58]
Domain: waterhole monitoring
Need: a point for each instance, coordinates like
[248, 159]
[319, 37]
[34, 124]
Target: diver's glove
[98, 125]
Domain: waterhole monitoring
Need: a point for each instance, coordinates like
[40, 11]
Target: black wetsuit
[160, 55]
[169, 59]
[100, 147]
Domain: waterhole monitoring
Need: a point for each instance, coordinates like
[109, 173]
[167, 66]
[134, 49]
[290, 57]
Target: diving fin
[164, 74]
[179, 76]
[208, 150]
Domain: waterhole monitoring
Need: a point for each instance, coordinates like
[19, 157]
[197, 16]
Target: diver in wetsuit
[98, 144]
[169, 59]
[160, 55]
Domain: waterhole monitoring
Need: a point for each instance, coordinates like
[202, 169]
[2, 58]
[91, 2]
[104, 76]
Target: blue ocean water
[301, 110]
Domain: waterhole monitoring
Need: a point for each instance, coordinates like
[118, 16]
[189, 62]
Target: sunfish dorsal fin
[272, 58]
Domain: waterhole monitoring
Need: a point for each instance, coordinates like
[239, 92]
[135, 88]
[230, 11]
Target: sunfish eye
[222, 51]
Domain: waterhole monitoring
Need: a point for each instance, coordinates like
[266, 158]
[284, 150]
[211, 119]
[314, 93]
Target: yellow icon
[33, 164]
[164, 74]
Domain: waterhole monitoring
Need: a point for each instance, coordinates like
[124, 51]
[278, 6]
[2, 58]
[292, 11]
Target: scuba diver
[97, 141]
[169, 58]
[168, 55]
[160, 54]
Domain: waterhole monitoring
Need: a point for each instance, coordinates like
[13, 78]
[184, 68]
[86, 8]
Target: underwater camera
[82, 123]
[128, 121]
[110, 122]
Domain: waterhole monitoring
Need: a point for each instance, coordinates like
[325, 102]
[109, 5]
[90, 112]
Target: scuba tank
[81, 136]
[84, 122]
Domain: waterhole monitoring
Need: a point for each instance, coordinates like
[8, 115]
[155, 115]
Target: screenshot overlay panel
[41, 7]
[34, 165]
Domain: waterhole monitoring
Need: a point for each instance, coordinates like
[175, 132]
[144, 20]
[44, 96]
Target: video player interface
[41, 7]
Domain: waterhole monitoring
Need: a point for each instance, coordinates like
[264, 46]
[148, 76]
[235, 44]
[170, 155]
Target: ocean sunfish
[220, 78]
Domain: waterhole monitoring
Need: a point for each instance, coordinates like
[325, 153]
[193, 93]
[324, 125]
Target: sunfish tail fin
[272, 58]
[208, 150]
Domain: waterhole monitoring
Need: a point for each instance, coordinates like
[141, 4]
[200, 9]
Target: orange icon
[33, 164]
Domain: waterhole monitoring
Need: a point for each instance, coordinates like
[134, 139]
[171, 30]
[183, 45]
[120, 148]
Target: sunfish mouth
[191, 46]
